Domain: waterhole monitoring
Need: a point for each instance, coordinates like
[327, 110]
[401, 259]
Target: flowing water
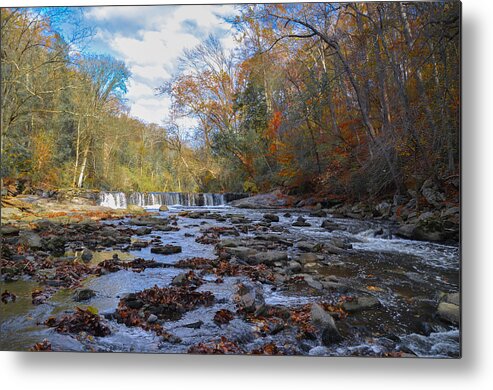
[406, 276]
[120, 200]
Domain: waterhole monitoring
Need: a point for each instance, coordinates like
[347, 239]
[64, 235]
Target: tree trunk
[77, 146]
[83, 168]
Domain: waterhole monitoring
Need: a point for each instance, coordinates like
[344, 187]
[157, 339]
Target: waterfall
[114, 200]
[120, 200]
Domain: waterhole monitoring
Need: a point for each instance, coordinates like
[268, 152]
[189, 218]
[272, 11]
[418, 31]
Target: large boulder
[274, 199]
[424, 231]
[449, 308]
[249, 297]
[431, 193]
[325, 325]
[383, 209]
[449, 312]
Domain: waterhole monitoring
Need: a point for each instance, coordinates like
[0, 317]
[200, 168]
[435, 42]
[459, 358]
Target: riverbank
[223, 280]
[435, 219]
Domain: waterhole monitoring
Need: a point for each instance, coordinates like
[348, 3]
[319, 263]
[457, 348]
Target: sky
[150, 39]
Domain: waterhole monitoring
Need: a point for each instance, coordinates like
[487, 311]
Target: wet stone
[143, 231]
[361, 303]
[166, 250]
[271, 257]
[83, 294]
[300, 222]
[271, 217]
[306, 258]
[86, 255]
[449, 312]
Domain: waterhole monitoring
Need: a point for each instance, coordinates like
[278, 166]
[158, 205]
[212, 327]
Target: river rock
[361, 303]
[271, 257]
[383, 209]
[294, 267]
[309, 246]
[142, 231]
[432, 196]
[228, 243]
[269, 237]
[86, 255]
[179, 280]
[163, 208]
[135, 209]
[422, 232]
[314, 284]
[164, 228]
[306, 258]
[239, 220]
[271, 200]
[338, 243]
[271, 217]
[242, 252]
[425, 216]
[249, 297]
[325, 324]
[450, 211]
[55, 245]
[139, 244]
[453, 298]
[166, 250]
[318, 213]
[152, 319]
[9, 230]
[300, 222]
[83, 294]
[30, 239]
[329, 225]
[449, 312]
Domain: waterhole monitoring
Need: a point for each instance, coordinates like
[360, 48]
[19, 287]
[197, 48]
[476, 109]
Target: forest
[355, 100]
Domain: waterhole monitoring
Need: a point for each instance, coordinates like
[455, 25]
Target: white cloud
[150, 40]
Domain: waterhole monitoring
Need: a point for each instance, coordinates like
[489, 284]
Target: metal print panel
[258, 179]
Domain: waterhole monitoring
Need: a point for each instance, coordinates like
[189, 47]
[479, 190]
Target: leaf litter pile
[82, 320]
[223, 268]
[146, 308]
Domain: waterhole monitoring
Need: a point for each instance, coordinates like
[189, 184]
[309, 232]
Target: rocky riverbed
[280, 281]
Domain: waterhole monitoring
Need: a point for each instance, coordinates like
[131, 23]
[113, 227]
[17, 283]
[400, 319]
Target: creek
[407, 277]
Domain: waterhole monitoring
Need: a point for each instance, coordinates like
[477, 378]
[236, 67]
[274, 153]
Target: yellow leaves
[92, 310]
[374, 288]
[42, 158]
